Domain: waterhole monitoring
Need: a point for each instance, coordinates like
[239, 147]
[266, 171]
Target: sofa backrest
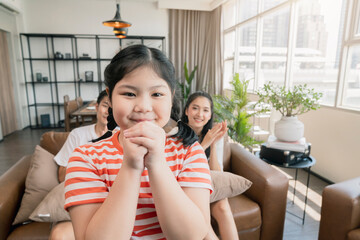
[53, 141]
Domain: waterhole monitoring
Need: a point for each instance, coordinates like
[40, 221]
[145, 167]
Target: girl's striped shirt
[92, 170]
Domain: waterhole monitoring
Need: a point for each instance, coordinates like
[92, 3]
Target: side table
[307, 163]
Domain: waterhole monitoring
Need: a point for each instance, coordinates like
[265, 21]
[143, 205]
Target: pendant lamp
[120, 32]
[116, 22]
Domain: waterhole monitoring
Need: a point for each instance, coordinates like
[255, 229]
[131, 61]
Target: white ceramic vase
[289, 129]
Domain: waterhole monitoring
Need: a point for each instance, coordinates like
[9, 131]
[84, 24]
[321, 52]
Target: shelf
[39, 56]
[43, 104]
[67, 59]
[97, 82]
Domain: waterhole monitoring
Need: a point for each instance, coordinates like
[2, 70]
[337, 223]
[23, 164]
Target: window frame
[349, 38]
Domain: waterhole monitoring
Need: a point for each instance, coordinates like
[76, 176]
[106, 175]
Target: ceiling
[200, 5]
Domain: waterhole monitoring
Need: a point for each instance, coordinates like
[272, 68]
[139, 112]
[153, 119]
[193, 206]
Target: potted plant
[185, 87]
[290, 103]
[234, 111]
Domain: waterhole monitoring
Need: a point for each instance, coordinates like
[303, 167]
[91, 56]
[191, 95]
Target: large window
[290, 42]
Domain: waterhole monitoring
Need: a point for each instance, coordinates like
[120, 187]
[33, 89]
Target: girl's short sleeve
[83, 184]
[195, 171]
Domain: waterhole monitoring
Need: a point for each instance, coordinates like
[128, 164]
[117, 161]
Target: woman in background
[198, 114]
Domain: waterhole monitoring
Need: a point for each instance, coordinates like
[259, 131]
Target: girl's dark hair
[209, 124]
[135, 56]
[102, 94]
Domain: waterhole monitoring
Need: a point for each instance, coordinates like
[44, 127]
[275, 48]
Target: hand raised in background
[215, 134]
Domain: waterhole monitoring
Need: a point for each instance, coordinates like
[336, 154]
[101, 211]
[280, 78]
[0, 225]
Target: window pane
[318, 43]
[352, 84]
[271, 3]
[247, 46]
[274, 48]
[229, 46]
[229, 14]
[228, 73]
[247, 9]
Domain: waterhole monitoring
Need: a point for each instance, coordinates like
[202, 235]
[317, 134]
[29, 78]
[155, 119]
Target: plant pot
[289, 129]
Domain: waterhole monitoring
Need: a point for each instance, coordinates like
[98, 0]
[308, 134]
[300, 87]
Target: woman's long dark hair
[135, 56]
[209, 124]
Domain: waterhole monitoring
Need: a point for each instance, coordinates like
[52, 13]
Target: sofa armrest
[269, 189]
[12, 185]
[340, 210]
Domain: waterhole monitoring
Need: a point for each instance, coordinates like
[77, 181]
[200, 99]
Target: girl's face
[141, 96]
[102, 110]
[198, 113]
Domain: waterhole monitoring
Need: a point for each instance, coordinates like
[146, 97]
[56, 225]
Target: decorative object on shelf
[234, 111]
[59, 55]
[67, 55]
[116, 22]
[38, 77]
[290, 103]
[45, 79]
[45, 120]
[120, 32]
[89, 76]
[85, 56]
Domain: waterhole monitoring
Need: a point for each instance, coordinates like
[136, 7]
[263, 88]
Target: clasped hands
[143, 145]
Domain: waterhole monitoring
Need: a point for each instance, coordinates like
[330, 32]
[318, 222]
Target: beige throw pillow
[227, 185]
[41, 178]
[51, 209]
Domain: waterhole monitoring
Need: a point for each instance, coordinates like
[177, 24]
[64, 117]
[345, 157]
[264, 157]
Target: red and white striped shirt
[93, 168]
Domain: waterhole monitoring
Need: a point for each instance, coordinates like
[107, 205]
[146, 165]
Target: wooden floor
[20, 143]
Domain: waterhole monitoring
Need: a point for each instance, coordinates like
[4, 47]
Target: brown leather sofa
[259, 212]
[340, 211]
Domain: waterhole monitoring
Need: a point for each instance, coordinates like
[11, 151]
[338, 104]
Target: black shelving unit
[67, 75]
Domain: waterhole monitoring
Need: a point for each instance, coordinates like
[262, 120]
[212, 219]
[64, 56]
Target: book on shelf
[299, 146]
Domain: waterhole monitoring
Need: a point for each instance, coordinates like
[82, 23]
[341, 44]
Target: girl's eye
[157, 94]
[129, 94]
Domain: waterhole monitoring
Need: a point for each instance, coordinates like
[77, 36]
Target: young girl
[139, 183]
[198, 114]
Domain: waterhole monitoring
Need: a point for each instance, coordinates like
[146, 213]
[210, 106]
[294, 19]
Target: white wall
[86, 17]
[335, 138]
[83, 17]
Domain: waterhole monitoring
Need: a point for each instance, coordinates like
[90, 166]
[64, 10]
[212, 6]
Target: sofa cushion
[51, 208]
[226, 185]
[247, 213]
[41, 178]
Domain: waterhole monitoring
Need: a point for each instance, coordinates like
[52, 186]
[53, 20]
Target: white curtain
[195, 38]
[7, 102]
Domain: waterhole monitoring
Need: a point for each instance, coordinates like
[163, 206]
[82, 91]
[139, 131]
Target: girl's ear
[108, 91]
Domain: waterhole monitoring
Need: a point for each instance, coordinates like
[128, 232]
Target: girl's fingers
[141, 141]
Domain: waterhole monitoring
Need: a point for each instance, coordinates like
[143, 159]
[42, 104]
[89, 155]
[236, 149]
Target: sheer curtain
[7, 104]
[195, 38]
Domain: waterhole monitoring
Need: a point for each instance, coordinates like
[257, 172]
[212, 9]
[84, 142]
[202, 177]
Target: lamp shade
[116, 22]
[120, 32]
